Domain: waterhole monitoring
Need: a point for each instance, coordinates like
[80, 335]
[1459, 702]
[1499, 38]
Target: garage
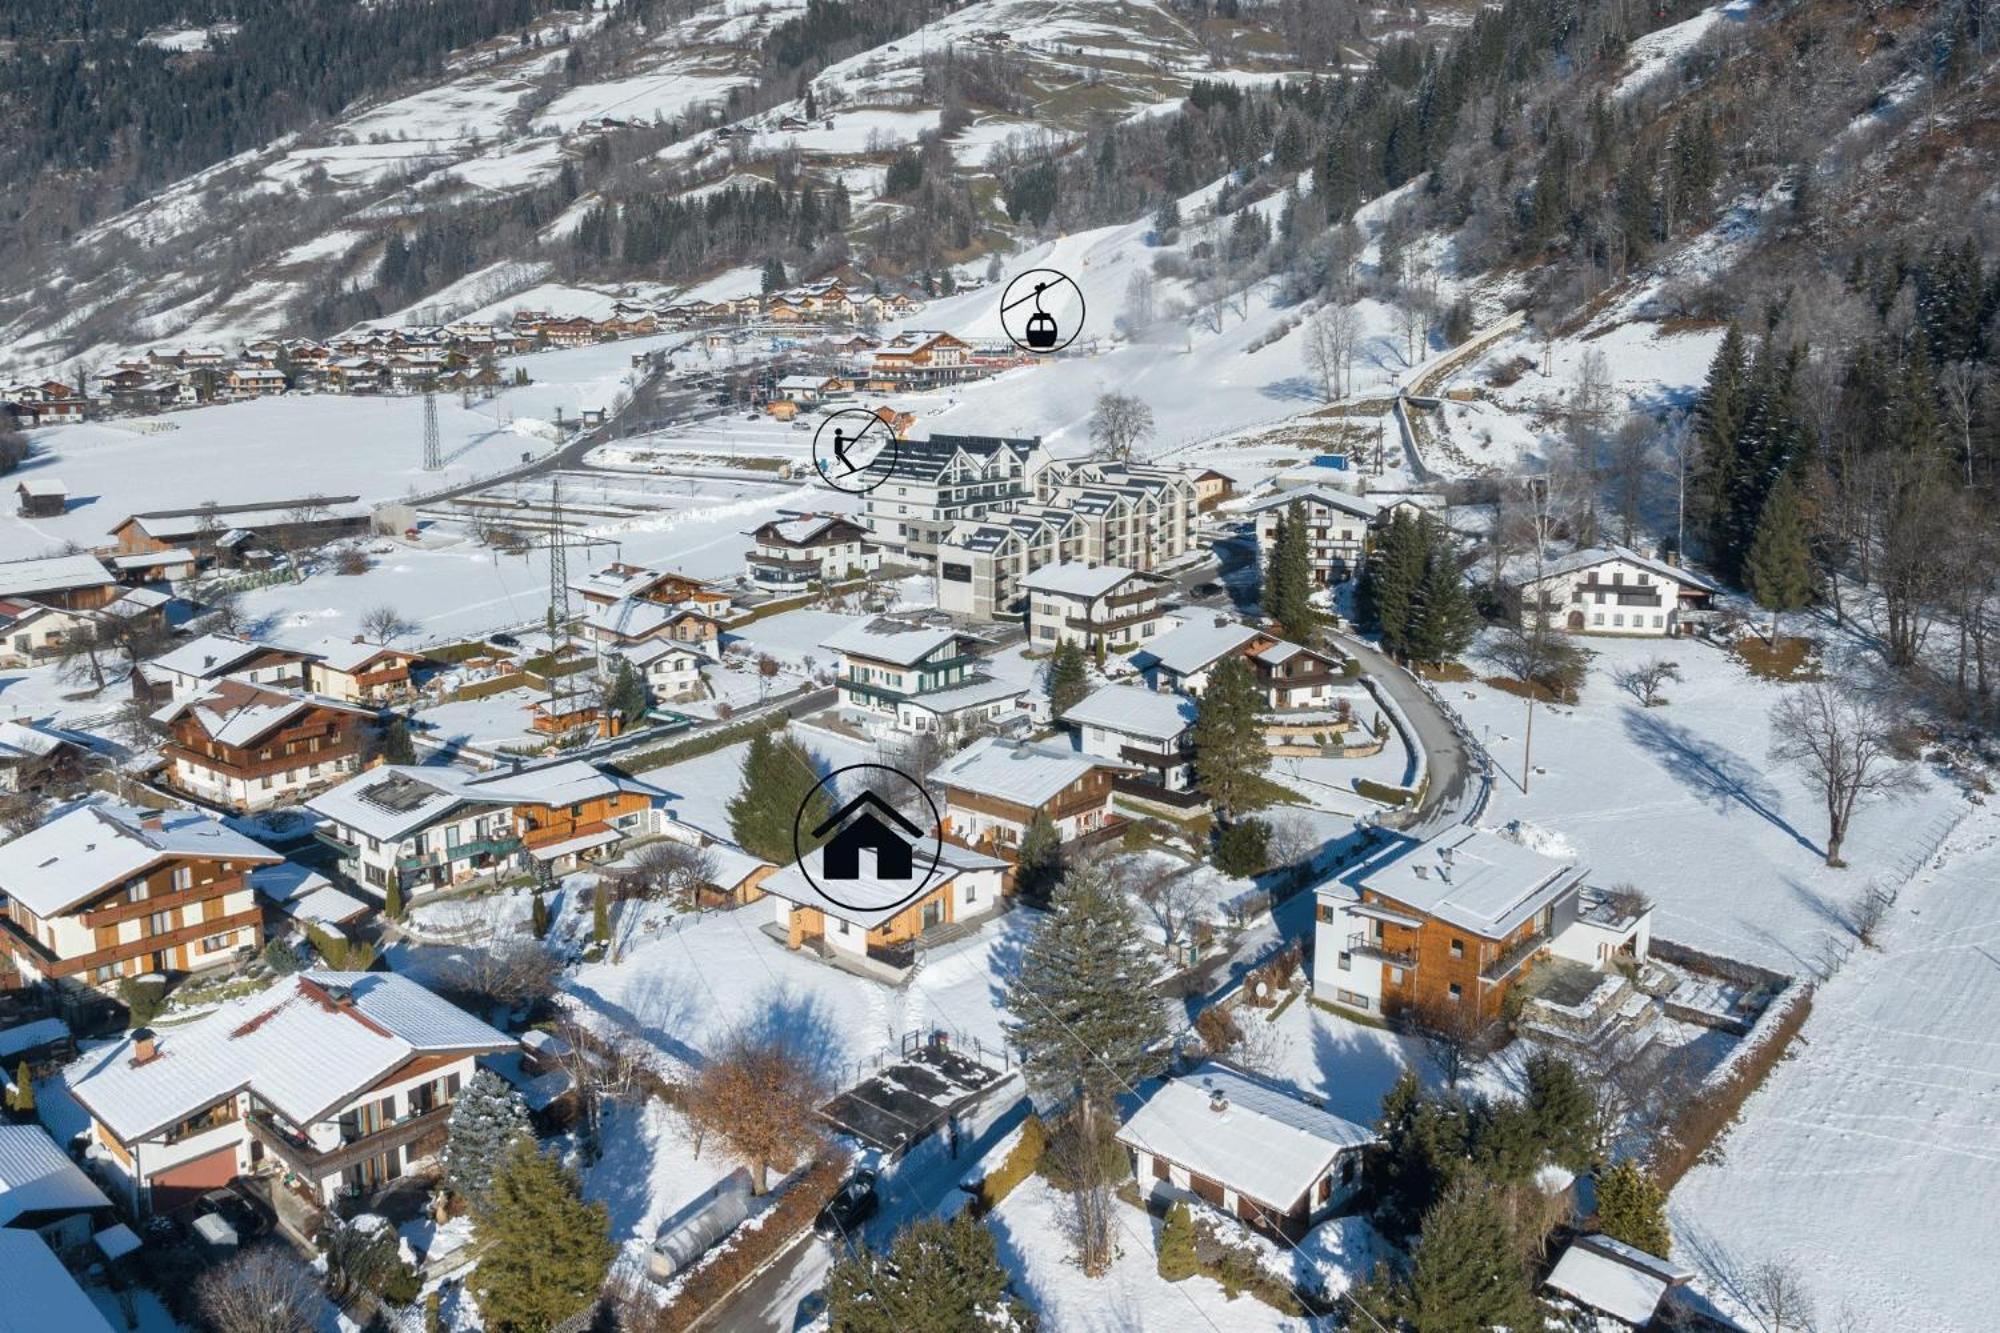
[182, 1184]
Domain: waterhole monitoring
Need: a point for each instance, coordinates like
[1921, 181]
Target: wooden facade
[176, 903]
[1437, 963]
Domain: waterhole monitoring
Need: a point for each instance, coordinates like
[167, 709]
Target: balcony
[903, 955]
[459, 852]
[1366, 946]
[347, 850]
[316, 1163]
[1108, 624]
[1510, 960]
[1132, 754]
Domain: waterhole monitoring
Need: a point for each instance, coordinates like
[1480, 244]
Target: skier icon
[840, 455]
[841, 440]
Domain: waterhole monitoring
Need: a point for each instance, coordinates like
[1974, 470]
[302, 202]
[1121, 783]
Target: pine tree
[1562, 1110]
[1289, 581]
[396, 745]
[1229, 751]
[1633, 1208]
[1068, 678]
[1779, 568]
[1390, 583]
[1082, 1007]
[779, 776]
[1466, 1274]
[392, 898]
[544, 1251]
[1177, 1257]
[22, 1097]
[812, 105]
[628, 694]
[774, 275]
[1718, 418]
[937, 1277]
[1443, 621]
[1038, 864]
[487, 1116]
[538, 916]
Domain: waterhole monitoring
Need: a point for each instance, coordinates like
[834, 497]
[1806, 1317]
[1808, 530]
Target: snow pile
[1538, 839]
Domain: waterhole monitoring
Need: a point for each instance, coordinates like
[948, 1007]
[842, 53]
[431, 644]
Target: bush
[1703, 1117]
[1217, 1029]
[1244, 848]
[282, 958]
[1020, 1163]
[1177, 1256]
[1383, 792]
[143, 998]
[1239, 1270]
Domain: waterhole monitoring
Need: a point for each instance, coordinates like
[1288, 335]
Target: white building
[908, 676]
[796, 550]
[341, 1080]
[192, 667]
[671, 670]
[1338, 523]
[1099, 608]
[935, 482]
[1615, 590]
[1151, 729]
[883, 942]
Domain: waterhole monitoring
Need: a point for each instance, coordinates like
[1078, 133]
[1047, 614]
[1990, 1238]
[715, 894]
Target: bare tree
[1628, 463]
[1539, 653]
[385, 623]
[1868, 911]
[672, 870]
[262, 1290]
[224, 612]
[1118, 422]
[1413, 321]
[761, 1097]
[1174, 900]
[1293, 840]
[81, 654]
[1646, 679]
[1959, 387]
[1330, 336]
[1078, 1157]
[1454, 1038]
[1839, 740]
[1142, 307]
[511, 972]
[1778, 1294]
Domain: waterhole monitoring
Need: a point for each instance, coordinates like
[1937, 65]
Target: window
[1458, 948]
[972, 893]
[1346, 963]
[1645, 579]
[1597, 618]
[1618, 618]
[159, 923]
[1456, 990]
[1659, 622]
[217, 943]
[1395, 976]
[183, 878]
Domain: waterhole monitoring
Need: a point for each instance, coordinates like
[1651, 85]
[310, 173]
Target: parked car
[852, 1204]
[503, 641]
[243, 1217]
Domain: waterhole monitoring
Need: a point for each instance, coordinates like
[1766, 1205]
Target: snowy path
[1868, 1156]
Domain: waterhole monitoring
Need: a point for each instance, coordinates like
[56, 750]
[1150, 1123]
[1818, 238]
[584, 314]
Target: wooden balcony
[317, 1163]
[1364, 946]
[126, 911]
[50, 965]
[1511, 959]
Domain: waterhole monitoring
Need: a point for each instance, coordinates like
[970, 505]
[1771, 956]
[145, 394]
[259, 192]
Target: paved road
[1445, 757]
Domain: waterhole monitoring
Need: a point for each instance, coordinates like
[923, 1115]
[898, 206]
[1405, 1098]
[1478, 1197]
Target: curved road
[1445, 756]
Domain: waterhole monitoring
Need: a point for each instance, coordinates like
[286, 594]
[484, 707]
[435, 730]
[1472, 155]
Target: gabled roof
[395, 800]
[1023, 772]
[1615, 1278]
[1347, 501]
[1197, 642]
[41, 1294]
[1259, 1138]
[637, 618]
[61, 573]
[24, 741]
[1136, 711]
[345, 655]
[237, 713]
[36, 1176]
[1598, 555]
[307, 1046]
[898, 642]
[1077, 579]
[88, 847]
[213, 656]
[304, 894]
[791, 884]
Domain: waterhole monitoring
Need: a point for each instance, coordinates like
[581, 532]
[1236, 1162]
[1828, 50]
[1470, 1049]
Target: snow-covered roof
[41, 1294]
[307, 1046]
[211, 656]
[1024, 772]
[180, 524]
[92, 845]
[617, 580]
[635, 617]
[1135, 710]
[36, 1176]
[304, 894]
[884, 639]
[178, 555]
[649, 651]
[1615, 1278]
[732, 865]
[236, 713]
[804, 529]
[27, 1036]
[858, 895]
[1075, 578]
[1197, 642]
[1347, 501]
[1598, 555]
[1261, 1139]
[60, 573]
[345, 655]
[395, 800]
[1470, 877]
[29, 740]
[43, 486]
[977, 692]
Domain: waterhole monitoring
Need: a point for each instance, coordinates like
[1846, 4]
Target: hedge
[1020, 1163]
[1383, 792]
[1704, 1117]
[724, 1268]
[697, 746]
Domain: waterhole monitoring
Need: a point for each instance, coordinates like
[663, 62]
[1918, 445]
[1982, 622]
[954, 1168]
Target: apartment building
[1338, 523]
[936, 482]
[247, 748]
[1099, 608]
[795, 550]
[904, 675]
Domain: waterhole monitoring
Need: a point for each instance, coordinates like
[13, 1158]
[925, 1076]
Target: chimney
[152, 822]
[1423, 871]
[145, 1047]
[1218, 1101]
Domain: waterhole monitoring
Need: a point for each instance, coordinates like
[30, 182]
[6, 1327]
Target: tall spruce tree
[485, 1120]
[1718, 419]
[1443, 621]
[1423, 1150]
[544, 1251]
[628, 694]
[779, 776]
[1288, 583]
[1038, 862]
[1632, 1207]
[1081, 1007]
[1561, 1109]
[937, 1277]
[1390, 583]
[1229, 750]
[1779, 568]
[396, 745]
[1466, 1274]
[1068, 678]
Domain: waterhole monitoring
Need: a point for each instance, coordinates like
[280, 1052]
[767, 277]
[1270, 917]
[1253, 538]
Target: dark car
[1209, 589]
[503, 640]
[243, 1217]
[853, 1204]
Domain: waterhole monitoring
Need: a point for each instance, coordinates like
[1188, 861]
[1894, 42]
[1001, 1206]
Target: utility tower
[433, 455]
[559, 637]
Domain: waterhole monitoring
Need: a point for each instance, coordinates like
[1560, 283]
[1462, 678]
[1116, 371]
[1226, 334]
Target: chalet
[671, 671]
[171, 565]
[1615, 590]
[995, 788]
[1254, 1148]
[42, 497]
[208, 530]
[1452, 923]
[50, 403]
[102, 891]
[634, 621]
[338, 1082]
[619, 581]
[1211, 488]
[1338, 523]
[1148, 729]
[883, 942]
[425, 828]
[43, 1191]
[908, 676]
[247, 748]
[69, 582]
[796, 550]
[1099, 608]
[34, 755]
[810, 388]
[571, 708]
[575, 331]
[356, 374]
[250, 382]
[790, 124]
[192, 668]
[1289, 676]
[735, 878]
[30, 632]
[356, 672]
[1617, 1281]
[936, 358]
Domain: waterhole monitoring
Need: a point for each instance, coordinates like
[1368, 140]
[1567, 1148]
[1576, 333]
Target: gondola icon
[1039, 331]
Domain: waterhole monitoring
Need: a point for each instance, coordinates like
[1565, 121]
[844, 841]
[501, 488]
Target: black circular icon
[1042, 310]
[855, 450]
[868, 856]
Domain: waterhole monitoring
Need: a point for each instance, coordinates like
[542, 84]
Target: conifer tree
[1068, 678]
[544, 1251]
[600, 913]
[1390, 582]
[538, 916]
[1466, 1274]
[1229, 750]
[1177, 1257]
[487, 1116]
[1038, 863]
[628, 694]
[1423, 1146]
[1561, 1109]
[1443, 621]
[392, 898]
[1081, 1007]
[396, 745]
[779, 776]
[1718, 418]
[937, 1277]
[1633, 1208]
[1779, 568]
[774, 275]
[22, 1097]
[1289, 582]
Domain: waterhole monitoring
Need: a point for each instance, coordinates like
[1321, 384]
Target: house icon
[840, 855]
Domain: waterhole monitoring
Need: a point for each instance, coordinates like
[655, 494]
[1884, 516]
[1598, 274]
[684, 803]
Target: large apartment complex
[937, 482]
